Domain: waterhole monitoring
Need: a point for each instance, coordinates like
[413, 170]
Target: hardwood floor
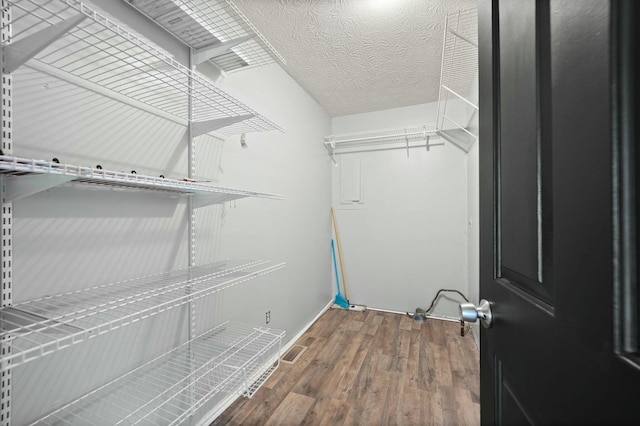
[370, 368]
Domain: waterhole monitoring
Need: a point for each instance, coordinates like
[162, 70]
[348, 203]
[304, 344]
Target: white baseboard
[475, 329]
[438, 317]
[208, 418]
[295, 338]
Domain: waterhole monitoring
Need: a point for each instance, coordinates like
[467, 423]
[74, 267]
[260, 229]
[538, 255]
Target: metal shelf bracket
[17, 187]
[201, 200]
[199, 128]
[20, 51]
[204, 54]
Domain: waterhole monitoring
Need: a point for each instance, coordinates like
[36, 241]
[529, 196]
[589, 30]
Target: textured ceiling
[357, 56]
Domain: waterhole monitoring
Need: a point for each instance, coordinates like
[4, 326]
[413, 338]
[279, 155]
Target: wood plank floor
[370, 368]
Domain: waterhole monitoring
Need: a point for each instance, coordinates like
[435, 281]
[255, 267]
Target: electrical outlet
[268, 317]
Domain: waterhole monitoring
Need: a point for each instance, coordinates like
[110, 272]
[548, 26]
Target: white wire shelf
[383, 139]
[460, 53]
[83, 44]
[28, 176]
[39, 327]
[262, 375]
[458, 80]
[166, 390]
[214, 27]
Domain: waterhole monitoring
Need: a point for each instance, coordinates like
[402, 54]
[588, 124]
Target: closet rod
[391, 148]
[397, 135]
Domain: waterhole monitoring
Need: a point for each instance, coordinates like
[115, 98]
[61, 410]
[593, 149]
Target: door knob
[470, 313]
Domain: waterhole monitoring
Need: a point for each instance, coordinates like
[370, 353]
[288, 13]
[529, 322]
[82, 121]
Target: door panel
[523, 148]
[512, 411]
[549, 252]
[518, 166]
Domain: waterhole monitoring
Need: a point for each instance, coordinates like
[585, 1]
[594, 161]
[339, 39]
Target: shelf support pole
[427, 138]
[6, 263]
[19, 52]
[191, 226]
[6, 273]
[191, 151]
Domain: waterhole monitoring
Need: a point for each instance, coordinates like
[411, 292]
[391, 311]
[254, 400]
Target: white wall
[409, 239]
[296, 230]
[72, 238]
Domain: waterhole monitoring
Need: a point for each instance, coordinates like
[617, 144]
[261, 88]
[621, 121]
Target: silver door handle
[470, 313]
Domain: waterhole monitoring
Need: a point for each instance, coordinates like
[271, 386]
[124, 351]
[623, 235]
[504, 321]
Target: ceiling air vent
[216, 29]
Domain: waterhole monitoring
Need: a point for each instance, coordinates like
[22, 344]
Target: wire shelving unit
[214, 26]
[384, 139]
[29, 176]
[459, 72]
[167, 389]
[70, 40]
[73, 42]
[42, 326]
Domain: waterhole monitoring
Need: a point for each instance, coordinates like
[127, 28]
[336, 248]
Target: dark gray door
[558, 184]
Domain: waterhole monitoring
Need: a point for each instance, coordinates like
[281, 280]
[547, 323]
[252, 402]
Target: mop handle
[344, 278]
[335, 265]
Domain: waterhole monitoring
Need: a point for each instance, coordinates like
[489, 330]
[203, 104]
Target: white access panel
[351, 186]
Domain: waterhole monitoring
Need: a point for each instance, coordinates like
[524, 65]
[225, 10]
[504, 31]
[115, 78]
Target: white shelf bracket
[199, 128]
[331, 146]
[204, 54]
[19, 52]
[457, 34]
[200, 200]
[459, 96]
[17, 187]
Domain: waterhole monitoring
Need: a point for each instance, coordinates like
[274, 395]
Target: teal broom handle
[335, 265]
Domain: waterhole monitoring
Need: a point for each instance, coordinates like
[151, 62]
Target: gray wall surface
[409, 237]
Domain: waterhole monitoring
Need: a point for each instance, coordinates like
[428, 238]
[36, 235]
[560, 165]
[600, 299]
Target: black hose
[433, 302]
